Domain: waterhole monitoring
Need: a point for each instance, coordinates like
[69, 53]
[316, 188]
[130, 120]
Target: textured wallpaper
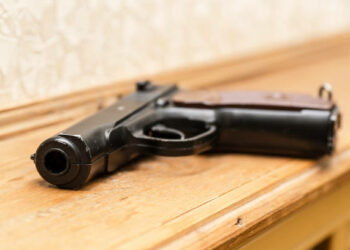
[52, 47]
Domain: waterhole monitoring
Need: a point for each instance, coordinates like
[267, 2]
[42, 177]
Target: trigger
[163, 132]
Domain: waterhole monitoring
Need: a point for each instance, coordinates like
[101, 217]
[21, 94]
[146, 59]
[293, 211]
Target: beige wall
[52, 47]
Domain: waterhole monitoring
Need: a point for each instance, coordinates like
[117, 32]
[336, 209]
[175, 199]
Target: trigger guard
[168, 132]
[175, 147]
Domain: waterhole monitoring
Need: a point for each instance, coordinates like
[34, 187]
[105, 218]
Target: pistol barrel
[77, 154]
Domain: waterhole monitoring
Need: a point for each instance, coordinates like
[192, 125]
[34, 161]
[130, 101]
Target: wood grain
[201, 201]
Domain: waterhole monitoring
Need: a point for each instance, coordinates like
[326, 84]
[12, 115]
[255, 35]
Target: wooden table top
[195, 201]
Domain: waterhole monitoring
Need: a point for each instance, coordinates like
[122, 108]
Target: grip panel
[250, 99]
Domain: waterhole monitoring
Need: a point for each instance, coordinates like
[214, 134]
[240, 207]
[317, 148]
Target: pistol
[163, 120]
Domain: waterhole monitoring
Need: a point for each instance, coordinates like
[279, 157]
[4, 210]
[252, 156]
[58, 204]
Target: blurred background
[49, 48]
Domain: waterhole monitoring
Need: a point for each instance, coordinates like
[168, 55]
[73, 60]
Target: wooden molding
[19, 119]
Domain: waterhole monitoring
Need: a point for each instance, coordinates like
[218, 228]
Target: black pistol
[162, 120]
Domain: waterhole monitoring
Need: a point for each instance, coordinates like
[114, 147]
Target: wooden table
[203, 201]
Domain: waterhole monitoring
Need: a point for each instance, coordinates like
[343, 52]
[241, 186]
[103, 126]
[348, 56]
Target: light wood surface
[325, 219]
[203, 201]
